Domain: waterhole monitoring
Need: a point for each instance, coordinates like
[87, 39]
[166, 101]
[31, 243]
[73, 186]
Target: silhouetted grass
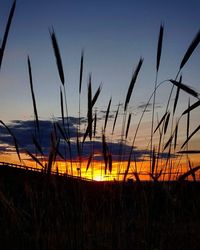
[7, 28]
[41, 212]
[44, 210]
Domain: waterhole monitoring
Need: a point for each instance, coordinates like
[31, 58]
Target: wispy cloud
[3, 148]
[148, 106]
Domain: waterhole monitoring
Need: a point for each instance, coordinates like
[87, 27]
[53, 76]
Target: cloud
[24, 131]
[3, 148]
[102, 114]
[73, 121]
[119, 152]
[148, 106]
[144, 105]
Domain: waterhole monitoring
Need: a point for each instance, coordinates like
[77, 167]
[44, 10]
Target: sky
[114, 36]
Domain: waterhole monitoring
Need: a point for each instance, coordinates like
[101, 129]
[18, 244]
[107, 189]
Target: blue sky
[114, 35]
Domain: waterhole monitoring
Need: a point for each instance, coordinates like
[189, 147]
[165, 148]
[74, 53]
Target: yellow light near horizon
[96, 169]
[98, 178]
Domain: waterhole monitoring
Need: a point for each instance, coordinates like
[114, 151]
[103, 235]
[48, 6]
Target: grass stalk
[5, 37]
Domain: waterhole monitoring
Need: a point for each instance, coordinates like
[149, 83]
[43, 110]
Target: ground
[38, 211]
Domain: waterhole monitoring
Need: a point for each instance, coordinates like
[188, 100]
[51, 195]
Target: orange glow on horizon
[96, 170]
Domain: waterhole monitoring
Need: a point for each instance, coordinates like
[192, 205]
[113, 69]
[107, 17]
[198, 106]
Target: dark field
[38, 211]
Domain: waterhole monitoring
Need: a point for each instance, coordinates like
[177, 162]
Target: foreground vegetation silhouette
[42, 210]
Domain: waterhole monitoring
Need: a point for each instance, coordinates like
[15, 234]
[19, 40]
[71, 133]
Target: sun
[98, 178]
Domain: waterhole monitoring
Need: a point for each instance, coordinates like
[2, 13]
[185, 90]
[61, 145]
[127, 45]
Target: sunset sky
[114, 35]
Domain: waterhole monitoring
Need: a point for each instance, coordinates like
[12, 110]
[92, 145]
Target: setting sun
[98, 178]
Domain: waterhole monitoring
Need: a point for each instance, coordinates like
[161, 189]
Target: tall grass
[165, 129]
[7, 29]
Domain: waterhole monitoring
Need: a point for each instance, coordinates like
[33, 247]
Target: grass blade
[188, 173]
[190, 167]
[61, 156]
[14, 139]
[37, 145]
[168, 142]
[128, 125]
[57, 56]
[50, 162]
[53, 152]
[33, 96]
[95, 124]
[107, 114]
[136, 175]
[176, 99]
[105, 149]
[34, 158]
[5, 37]
[61, 131]
[89, 114]
[188, 120]
[89, 161]
[193, 106]
[166, 123]
[81, 72]
[177, 96]
[55, 141]
[159, 48]
[192, 134]
[78, 145]
[94, 99]
[116, 115]
[161, 121]
[86, 132]
[175, 136]
[128, 166]
[132, 83]
[55, 131]
[190, 50]
[185, 88]
[153, 162]
[62, 108]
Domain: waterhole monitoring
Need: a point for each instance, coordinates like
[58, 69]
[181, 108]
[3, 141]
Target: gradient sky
[114, 35]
